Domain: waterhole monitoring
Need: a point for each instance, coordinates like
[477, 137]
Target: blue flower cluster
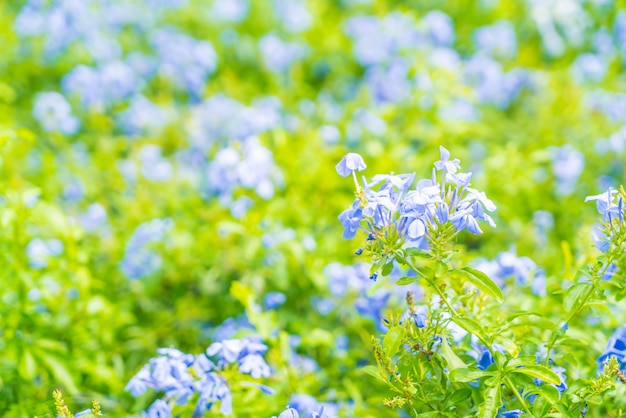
[139, 259]
[611, 208]
[182, 376]
[388, 205]
[119, 79]
[388, 47]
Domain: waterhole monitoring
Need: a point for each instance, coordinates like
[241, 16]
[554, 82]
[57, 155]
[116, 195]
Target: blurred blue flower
[567, 164]
[497, 40]
[278, 55]
[94, 218]
[54, 113]
[139, 260]
[439, 28]
[185, 61]
[154, 166]
[293, 14]
[589, 67]
[273, 300]
[39, 251]
[232, 11]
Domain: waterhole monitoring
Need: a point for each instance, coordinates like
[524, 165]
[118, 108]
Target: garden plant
[313, 208]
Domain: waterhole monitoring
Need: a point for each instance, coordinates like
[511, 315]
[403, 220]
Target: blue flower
[289, 413]
[515, 413]
[228, 351]
[350, 163]
[54, 113]
[605, 203]
[351, 219]
[159, 409]
[273, 300]
[255, 366]
[445, 164]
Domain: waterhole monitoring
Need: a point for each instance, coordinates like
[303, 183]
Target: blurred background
[154, 152]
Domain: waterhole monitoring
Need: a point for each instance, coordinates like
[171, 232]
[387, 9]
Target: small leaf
[27, 366]
[403, 281]
[550, 393]
[600, 305]
[373, 371]
[459, 396]
[532, 320]
[574, 296]
[540, 372]
[427, 273]
[454, 362]
[387, 268]
[393, 340]
[244, 294]
[482, 282]
[470, 325]
[416, 252]
[467, 375]
[60, 372]
[377, 265]
[441, 269]
[492, 403]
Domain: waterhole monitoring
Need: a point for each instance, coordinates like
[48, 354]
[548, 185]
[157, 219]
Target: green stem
[519, 397]
[454, 313]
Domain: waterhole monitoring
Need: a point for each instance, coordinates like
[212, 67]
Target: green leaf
[453, 361]
[550, 393]
[441, 269]
[377, 265]
[416, 252]
[427, 273]
[492, 403]
[600, 305]
[532, 320]
[540, 372]
[27, 366]
[467, 375]
[387, 269]
[540, 407]
[482, 282]
[470, 325]
[459, 396]
[393, 340]
[521, 361]
[373, 371]
[575, 295]
[244, 294]
[403, 281]
[60, 372]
